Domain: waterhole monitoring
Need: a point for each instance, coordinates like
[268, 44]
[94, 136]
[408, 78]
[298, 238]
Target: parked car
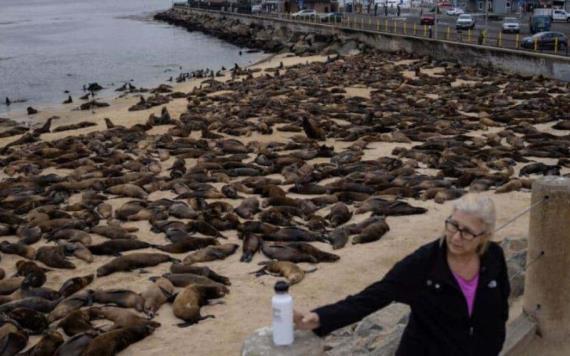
[464, 22]
[545, 40]
[427, 19]
[456, 11]
[256, 9]
[331, 17]
[511, 24]
[560, 15]
[304, 14]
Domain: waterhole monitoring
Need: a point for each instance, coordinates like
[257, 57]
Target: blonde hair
[482, 207]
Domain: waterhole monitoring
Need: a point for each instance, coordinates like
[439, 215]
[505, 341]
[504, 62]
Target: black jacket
[439, 322]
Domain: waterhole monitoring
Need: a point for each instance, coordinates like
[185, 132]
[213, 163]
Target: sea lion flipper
[311, 270]
[143, 271]
[184, 325]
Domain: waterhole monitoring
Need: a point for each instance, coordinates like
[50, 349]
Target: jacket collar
[489, 264]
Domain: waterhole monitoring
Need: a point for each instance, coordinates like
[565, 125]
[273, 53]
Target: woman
[457, 288]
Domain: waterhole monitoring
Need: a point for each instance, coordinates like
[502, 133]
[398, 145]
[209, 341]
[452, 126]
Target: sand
[248, 306]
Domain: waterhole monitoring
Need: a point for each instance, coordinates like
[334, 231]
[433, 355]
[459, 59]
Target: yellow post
[469, 35]
[404, 28]
[369, 21]
[414, 29]
[425, 30]
[501, 39]
[377, 25]
[386, 25]
[395, 26]
[517, 41]
[362, 22]
[536, 43]
[555, 45]
[447, 34]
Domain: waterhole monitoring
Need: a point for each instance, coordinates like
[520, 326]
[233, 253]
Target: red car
[427, 19]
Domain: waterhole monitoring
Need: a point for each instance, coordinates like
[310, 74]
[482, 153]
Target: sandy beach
[248, 306]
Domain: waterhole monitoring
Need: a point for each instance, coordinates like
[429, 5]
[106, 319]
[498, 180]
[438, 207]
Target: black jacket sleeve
[400, 284]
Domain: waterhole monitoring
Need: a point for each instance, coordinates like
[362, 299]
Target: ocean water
[50, 46]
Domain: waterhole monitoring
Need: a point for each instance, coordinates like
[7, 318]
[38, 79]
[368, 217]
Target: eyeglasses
[452, 227]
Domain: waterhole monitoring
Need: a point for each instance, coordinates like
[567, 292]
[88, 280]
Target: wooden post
[414, 29]
[469, 35]
[386, 25]
[500, 39]
[547, 286]
[425, 30]
[405, 28]
[378, 25]
[536, 44]
[556, 45]
[447, 33]
[517, 41]
[395, 29]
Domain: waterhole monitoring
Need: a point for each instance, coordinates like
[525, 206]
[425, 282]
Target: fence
[397, 26]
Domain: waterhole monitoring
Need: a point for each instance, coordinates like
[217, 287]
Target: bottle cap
[281, 287]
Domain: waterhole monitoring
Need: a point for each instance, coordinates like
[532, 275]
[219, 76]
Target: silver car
[464, 22]
[512, 25]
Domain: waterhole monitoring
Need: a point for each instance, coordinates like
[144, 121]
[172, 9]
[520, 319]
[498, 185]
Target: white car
[256, 9]
[455, 12]
[465, 22]
[511, 24]
[304, 14]
[560, 15]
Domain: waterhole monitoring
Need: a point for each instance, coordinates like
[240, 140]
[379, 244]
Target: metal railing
[396, 26]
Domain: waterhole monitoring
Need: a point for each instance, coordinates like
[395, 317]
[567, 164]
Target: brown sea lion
[47, 345]
[128, 190]
[121, 318]
[338, 237]
[250, 246]
[372, 232]
[156, 295]
[13, 342]
[384, 207]
[294, 234]
[211, 253]
[133, 261]
[184, 279]
[75, 345]
[339, 214]
[29, 234]
[71, 235]
[35, 274]
[121, 297]
[248, 208]
[112, 232]
[111, 342]
[34, 303]
[28, 290]
[70, 304]
[18, 248]
[54, 256]
[75, 284]
[293, 273]
[188, 302]
[78, 321]
[282, 252]
[32, 321]
[199, 270]
[10, 285]
[188, 243]
[115, 247]
[78, 250]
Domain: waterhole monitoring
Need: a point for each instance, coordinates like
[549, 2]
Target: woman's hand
[306, 321]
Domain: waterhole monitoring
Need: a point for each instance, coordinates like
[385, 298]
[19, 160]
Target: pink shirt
[469, 288]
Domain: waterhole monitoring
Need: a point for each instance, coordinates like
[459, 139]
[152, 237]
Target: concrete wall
[526, 63]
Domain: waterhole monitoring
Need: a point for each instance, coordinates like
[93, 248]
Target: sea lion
[10, 285]
[47, 345]
[248, 208]
[32, 321]
[54, 256]
[188, 302]
[312, 129]
[294, 234]
[111, 342]
[112, 232]
[382, 207]
[250, 246]
[187, 243]
[372, 232]
[18, 248]
[199, 270]
[115, 247]
[338, 237]
[78, 250]
[71, 235]
[75, 345]
[34, 303]
[13, 342]
[35, 274]
[184, 279]
[339, 214]
[121, 318]
[71, 304]
[128, 190]
[78, 321]
[133, 261]
[75, 284]
[293, 273]
[211, 253]
[29, 234]
[121, 297]
[156, 295]
[28, 290]
[282, 252]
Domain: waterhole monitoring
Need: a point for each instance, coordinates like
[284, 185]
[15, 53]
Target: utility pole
[486, 14]
[435, 18]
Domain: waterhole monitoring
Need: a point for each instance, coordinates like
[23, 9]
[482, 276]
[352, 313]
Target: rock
[260, 343]
[31, 110]
[94, 87]
[92, 105]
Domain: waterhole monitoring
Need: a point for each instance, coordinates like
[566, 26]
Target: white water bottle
[282, 304]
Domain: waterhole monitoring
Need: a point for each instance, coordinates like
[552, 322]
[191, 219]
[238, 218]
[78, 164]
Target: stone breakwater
[273, 39]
